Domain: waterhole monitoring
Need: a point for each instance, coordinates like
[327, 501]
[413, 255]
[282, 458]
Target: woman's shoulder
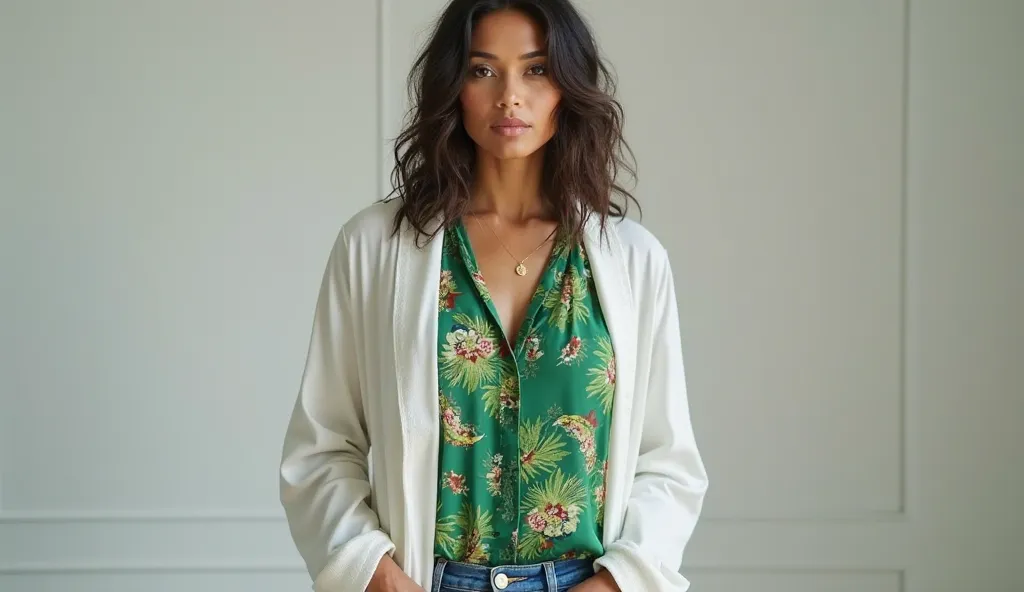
[373, 223]
[638, 242]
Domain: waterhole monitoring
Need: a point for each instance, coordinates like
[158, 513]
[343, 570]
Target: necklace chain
[521, 267]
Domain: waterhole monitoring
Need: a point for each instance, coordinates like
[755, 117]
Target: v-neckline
[536, 300]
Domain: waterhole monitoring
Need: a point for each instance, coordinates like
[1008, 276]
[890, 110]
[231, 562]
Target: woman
[498, 343]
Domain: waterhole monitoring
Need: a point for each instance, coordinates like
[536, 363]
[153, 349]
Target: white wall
[840, 185]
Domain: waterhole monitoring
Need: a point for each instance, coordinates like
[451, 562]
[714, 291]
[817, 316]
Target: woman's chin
[511, 150]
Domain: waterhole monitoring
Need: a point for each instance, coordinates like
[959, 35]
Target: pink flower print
[554, 520]
[456, 482]
[571, 350]
[589, 452]
[536, 521]
[470, 345]
[508, 400]
[494, 476]
[557, 511]
[566, 298]
[533, 351]
[609, 372]
[447, 291]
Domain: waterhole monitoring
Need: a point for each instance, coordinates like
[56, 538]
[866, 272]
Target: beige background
[840, 185]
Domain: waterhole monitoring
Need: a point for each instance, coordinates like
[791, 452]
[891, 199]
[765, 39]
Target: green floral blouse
[523, 456]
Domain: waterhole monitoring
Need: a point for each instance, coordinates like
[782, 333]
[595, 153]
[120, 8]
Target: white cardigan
[368, 398]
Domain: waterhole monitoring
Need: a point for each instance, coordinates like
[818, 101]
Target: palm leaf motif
[552, 512]
[574, 352]
[445, 532]
[501, 398]
[448, 290]
[541, 451]
[566, 300]
[464, 536]
[563, 246]
[581, 428]
[599, 485]
[478, 278]
[455, 432]
[481, 286]
[452, 246]
[533, 353]
[602, 385]
[469, 357]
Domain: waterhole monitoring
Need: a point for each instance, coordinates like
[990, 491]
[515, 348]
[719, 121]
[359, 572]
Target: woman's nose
[510, 96]
[509, 101]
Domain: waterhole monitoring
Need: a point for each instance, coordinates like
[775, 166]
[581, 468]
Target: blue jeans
[550, 576]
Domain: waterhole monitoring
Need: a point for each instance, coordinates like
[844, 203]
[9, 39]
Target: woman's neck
[509, 188]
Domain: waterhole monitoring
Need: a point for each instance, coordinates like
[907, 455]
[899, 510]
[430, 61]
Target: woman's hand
[601, 582]
[388, 577]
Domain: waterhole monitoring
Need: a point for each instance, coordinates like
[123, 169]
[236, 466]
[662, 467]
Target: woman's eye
[538, 70]
[481, 72]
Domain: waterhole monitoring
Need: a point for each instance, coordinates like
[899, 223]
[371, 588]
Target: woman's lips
[510, 130]
[511, 126]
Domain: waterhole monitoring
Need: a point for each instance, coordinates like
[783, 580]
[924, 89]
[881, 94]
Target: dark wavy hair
[434, 156]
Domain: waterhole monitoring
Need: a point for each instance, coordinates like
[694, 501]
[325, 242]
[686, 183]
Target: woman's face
[507, 81]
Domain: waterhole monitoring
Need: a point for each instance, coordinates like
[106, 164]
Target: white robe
[368, 397]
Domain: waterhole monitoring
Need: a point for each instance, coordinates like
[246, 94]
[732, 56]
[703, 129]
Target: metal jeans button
[501, 581]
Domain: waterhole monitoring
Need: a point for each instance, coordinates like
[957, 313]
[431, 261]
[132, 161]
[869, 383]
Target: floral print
[468, 355]
[602, 384]
[540, 451]
[572, 352]
[451, 421]
[501, 399]
[554, 513]
[465, 534]
[599, 489]
[456, 483]
[447, 292]
[582, 429]
[567, 299]
[533, 354]
[524, 417]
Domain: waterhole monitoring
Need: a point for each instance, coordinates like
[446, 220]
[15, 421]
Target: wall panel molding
[383, 102]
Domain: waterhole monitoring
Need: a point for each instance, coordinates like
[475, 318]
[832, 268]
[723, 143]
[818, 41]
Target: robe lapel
[417, 280]
[607, 261]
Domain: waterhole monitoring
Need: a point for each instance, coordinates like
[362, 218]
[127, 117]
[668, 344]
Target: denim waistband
[550, 576]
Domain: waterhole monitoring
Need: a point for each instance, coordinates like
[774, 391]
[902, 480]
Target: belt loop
[549, 574]
[438, 573]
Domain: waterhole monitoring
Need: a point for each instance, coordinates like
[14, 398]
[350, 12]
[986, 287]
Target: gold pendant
[521, 269]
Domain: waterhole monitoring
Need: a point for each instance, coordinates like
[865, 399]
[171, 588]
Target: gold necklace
[521, 267]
